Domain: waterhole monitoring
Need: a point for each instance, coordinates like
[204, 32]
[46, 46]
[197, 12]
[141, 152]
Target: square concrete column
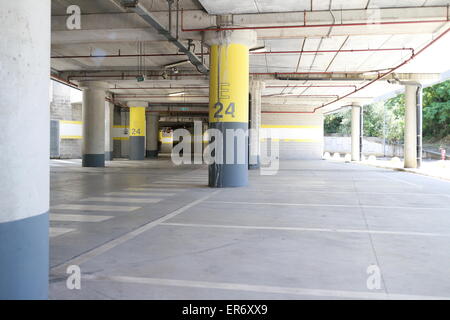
[413, 125]
[93, 148]
[151, 148]
[109, 121]
[357, 132]
[256, 88]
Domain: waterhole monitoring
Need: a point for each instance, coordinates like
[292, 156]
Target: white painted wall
[300, 135]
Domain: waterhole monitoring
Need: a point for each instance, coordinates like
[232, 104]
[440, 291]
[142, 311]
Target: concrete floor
[150, 230]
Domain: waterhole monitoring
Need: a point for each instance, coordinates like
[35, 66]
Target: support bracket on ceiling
[137, 8]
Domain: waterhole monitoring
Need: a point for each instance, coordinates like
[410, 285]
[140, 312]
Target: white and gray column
[357, 132]
[109, 122]
[93, 148]
[151, 144]
[256, 88]
[24, 149]
[413, 125]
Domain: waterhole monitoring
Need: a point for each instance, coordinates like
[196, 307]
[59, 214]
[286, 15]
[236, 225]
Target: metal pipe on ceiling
[252, 53]
[327, 25]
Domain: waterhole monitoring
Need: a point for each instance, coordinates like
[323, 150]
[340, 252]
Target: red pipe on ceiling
[380, 76]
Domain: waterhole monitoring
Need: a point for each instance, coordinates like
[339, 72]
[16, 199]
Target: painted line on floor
[401, 180]
[345, 192]
[326, 205]
[153, 189]
[78, 217]
[127, 236]
[57, 231]
[262, 288]
[402, 233]
[157, 194]
[123, 200]
[86, 207]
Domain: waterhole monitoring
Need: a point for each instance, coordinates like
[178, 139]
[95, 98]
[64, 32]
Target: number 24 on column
[229, 110]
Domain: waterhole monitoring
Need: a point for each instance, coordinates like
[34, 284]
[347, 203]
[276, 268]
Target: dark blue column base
[137, 148]
[93, 160]
[229, 175]
[151, 153]
[24, 259]
[108, 156]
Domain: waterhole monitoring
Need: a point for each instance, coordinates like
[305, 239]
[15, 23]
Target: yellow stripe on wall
[71, 122]
[71, 137]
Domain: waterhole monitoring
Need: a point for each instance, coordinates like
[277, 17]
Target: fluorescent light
[174, 94]
[177, 63]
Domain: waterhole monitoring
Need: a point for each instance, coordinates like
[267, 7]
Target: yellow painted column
[137, 131]
[228, 104]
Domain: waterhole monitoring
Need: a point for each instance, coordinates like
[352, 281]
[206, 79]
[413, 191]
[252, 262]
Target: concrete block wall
[371, 146]
[300, 136]
[61, 108]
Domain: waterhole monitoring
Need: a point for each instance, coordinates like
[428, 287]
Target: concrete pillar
[109, 122]
[357, 132]
[413, 126]
[137, 130]
[93, 148]
[228, 103]
[255, 124]
[151, 149]
[24, 148]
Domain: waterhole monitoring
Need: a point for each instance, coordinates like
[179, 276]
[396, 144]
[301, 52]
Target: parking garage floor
[151, 230]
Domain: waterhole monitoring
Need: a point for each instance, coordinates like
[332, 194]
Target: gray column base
[229, 175]
[137, 148]
[24, 258]
[151, 153]
[254, 163]
[93, 160]
[108, 156]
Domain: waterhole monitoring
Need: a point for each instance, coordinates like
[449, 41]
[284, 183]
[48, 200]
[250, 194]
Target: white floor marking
[128, 236]
[125, 200]
[54, 231]
[347, 192]
[327, 205]
[263, 289]
[78, 217]
[401, 180]
[153, 189]
[88, 207]
[403, 233]
[158, 194]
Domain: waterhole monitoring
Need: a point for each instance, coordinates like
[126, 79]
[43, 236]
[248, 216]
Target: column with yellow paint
[137, 130]
[228, 103]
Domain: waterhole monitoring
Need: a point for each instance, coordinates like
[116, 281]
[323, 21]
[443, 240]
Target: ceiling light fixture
[175, 94]
[177, 63]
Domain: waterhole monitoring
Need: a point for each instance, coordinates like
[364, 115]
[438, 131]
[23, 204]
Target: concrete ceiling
[108, 32]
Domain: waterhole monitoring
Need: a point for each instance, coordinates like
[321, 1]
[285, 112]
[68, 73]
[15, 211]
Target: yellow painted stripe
[137, 121]
[71, 137]
[286, 126]
[228, 97]
[69, 121]
[121, 138]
